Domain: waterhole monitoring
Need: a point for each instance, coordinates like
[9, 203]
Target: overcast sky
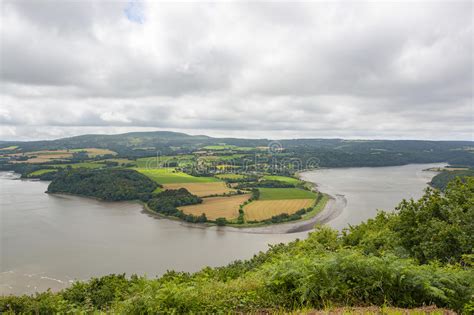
[273, 70]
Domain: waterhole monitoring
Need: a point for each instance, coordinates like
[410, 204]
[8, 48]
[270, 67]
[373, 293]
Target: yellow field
[201, 189]
[93, 152]
[265, 209]
[47, 156]
[218, 207]
[35, 157]
[12, 147]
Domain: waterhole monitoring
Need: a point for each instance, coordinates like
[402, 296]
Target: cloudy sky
[274, 70]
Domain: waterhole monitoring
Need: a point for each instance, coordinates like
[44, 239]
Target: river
[361, 191]
[48, 241]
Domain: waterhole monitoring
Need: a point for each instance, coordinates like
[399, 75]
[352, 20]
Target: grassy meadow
[285, 193]
[171, 176]
[41, 172]
[285, 179]
[161, 161]
[230, 176]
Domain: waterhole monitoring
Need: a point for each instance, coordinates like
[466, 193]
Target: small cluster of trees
[285, 217]
[168, 201]
[266, 184]
[246, 179]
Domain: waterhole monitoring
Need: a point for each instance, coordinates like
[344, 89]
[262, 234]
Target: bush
[221, 221]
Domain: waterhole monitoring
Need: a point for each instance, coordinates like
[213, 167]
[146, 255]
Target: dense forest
[105, 184]
[420, 254]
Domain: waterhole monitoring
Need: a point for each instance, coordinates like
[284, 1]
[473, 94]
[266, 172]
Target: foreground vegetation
[419, 255]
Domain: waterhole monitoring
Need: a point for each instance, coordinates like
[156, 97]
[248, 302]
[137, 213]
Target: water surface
[363, 190]
[48, 241]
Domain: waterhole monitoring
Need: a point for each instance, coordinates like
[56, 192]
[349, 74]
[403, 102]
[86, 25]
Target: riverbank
[81, 234]
[327, 208]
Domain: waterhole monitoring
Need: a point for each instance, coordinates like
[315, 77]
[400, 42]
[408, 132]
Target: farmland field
[213, 158]
[285, 179]
[227, 147]
[230, 176]
[119, 161]
[44, 156]
[12, 147]
[93, 152]
[80, 165]
[170, 176]
[285, 193]
[265, 209]
[223, 167]
[41, 172]
[160, 161]
[202, 189]
[51, 155]
[216, 207]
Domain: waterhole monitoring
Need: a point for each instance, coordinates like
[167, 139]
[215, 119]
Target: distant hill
[328, 152]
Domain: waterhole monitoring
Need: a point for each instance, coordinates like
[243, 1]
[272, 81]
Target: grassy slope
[41, 172]
[216, 158]
[161, 160]
[227, 147]
[167, 176]
[285, 193]
[230, 176]
[317, 207]
[285, 179]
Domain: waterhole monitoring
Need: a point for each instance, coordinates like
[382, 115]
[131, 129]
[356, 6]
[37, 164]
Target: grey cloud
[397, 70]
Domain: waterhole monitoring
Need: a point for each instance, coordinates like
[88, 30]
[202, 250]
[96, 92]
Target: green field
[152, 162]
[227, 147]
[170, 176]
[80, 165]
[41, 172]
[285, 179]
[119, 161]
[317, 207]
[285, 193]
[214, 158]
[230, 176]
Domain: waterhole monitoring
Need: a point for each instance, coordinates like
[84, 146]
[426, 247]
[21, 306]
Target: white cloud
[305, 69]
[114, 117]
